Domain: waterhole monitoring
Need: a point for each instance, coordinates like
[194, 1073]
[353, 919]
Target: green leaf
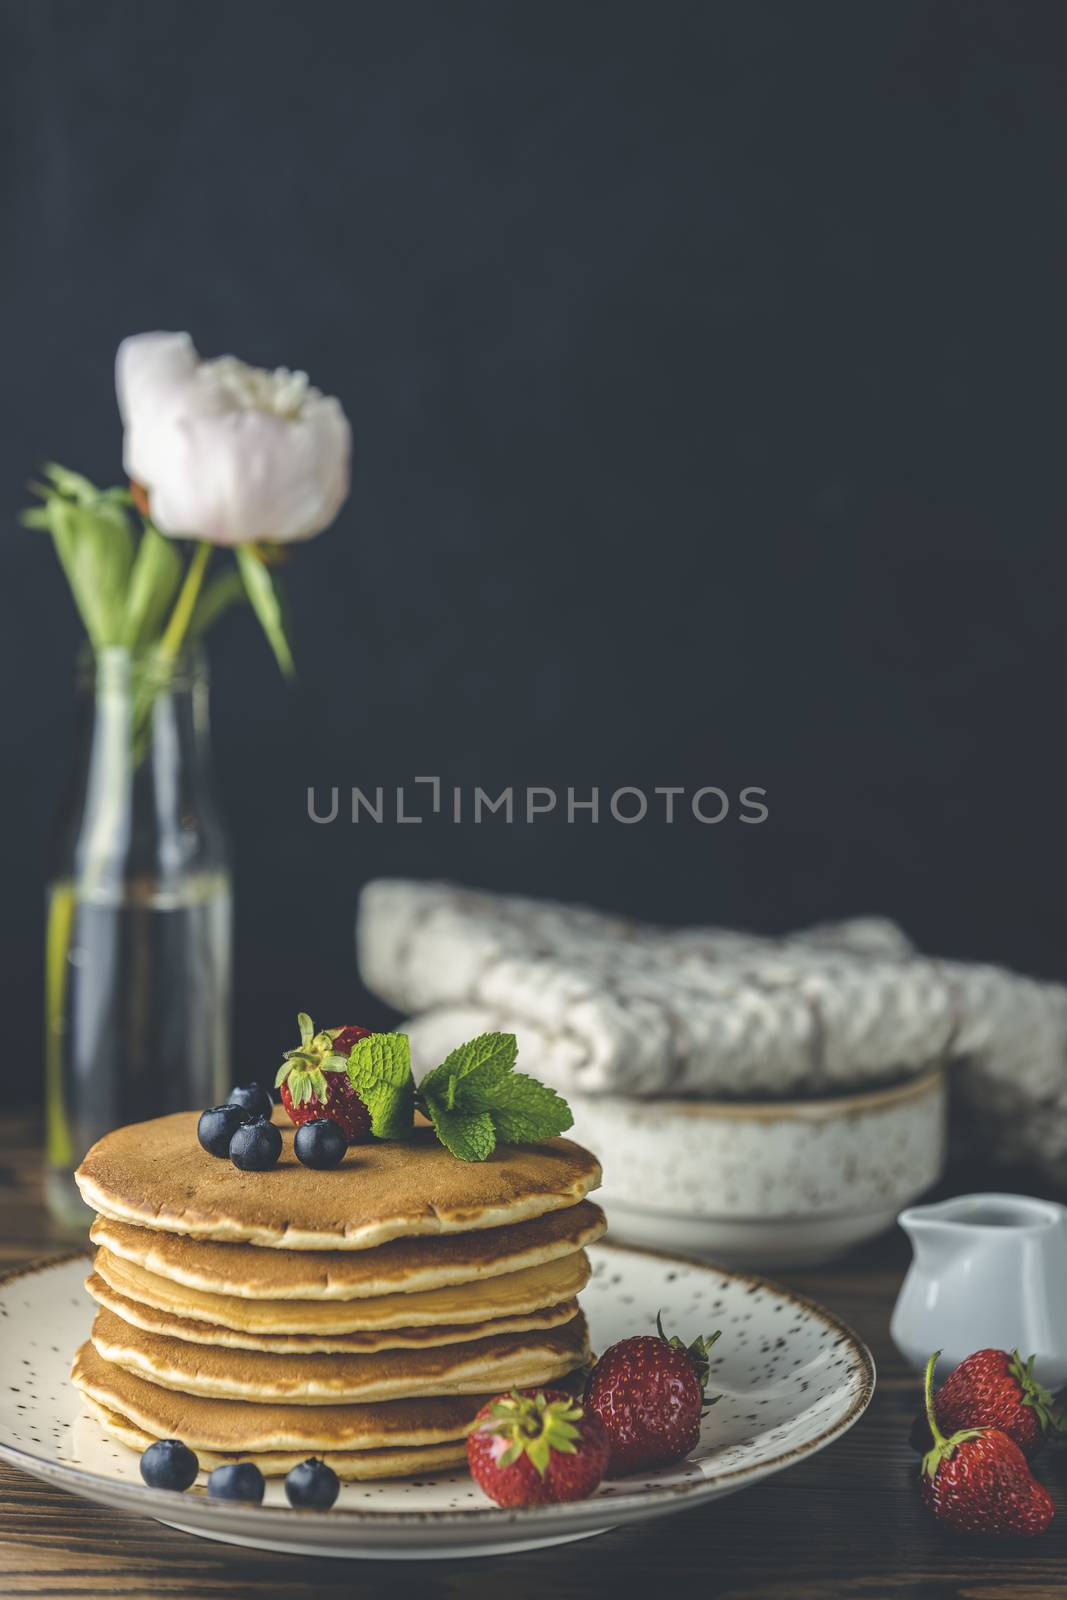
[303, 1083]
[379, 1070]
[475, 1099]
[307, 1028]
[467, 1136]
[154, 580]
[227, 590]
[524, 1111]
[467, 1076]
[90, 529]
[96, 550]
[71, 485]
[265, 599]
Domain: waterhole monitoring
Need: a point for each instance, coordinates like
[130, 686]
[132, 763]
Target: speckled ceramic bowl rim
[528, 1522]
[861, 1103]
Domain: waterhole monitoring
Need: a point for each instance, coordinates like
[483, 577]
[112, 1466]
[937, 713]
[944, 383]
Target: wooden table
[846, 1524]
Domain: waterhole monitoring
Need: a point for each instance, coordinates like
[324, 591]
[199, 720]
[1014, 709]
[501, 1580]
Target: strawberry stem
[928, 1401]
[942, 1448]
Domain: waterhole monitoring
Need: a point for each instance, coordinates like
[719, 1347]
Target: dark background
[706, 367]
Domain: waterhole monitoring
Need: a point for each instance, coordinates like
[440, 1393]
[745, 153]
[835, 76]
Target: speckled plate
[791, 1376]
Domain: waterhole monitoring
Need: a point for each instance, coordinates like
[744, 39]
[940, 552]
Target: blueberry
[169, 1464]
[255, 1146]
[321, 1143]
[253, 1099]
[312, 1483]
[217, 1127]
[240, 1481]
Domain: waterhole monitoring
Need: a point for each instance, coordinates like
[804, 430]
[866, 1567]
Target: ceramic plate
[792, 1378]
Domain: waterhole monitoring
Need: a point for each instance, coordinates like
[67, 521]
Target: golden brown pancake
[404, 1266]
[156, 1175]
[236, 1427]
[501, 1361]
[176, 1327]
[354, 1465]
[530, 1290]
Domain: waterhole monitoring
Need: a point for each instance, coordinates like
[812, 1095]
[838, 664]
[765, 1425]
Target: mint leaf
[469, 1071]
[379, 1070]
[524, 1111]
[475, 1098]
[467, 1137]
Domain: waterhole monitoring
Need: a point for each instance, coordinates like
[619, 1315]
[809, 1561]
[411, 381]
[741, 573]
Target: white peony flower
[226, 452]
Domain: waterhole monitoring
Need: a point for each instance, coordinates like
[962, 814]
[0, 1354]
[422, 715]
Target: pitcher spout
[939, 1232]
[935, 1239]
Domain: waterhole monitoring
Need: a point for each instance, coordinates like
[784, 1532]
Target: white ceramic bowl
[765, 1184]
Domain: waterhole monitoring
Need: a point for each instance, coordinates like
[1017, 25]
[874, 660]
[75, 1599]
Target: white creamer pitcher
[989, 1270]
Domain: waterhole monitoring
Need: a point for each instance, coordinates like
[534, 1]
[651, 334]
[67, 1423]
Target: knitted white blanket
[605, 1005]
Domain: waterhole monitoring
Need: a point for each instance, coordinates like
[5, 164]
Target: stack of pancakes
[363, 1314]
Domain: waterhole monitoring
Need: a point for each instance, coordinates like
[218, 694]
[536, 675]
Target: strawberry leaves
[699, 1356]
[475, 1099]
[1035, 1395]
[303, 1070]
[303, 1082]
[533, 1425]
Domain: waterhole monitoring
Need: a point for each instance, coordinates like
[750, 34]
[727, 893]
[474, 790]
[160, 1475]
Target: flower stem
[145, 691]
[175, 631]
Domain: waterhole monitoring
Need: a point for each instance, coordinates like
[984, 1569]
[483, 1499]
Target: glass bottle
[138, 915]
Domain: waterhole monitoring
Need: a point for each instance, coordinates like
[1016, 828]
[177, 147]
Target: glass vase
[138, 916]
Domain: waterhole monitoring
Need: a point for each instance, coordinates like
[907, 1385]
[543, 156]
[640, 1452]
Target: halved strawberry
[314, 1080]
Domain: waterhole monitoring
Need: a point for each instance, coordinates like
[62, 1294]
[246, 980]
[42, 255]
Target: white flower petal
[246, 475]
[228, 452]
[152, 369]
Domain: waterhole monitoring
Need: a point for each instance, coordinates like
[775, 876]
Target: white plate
[792, 1378]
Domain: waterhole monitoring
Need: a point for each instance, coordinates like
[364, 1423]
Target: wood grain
[846, 1525]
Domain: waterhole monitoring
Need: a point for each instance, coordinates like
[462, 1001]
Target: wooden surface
[846, 1524]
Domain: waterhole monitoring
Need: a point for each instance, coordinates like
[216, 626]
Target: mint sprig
[479, 1066]
[469, 1136]
[379, 1070]
[475, 1099]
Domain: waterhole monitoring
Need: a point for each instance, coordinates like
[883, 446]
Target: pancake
[514, 1292]
[236, 1427]
[357, 1465]
[405, 1266]
[176, 1327]
[156, 1175]
[500, 1361]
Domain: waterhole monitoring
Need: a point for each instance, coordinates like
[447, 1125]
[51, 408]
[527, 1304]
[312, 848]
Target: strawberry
[535, 1447]
[314, 1079]
[649, 1394]
[994, 1389]
[978, 1480]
